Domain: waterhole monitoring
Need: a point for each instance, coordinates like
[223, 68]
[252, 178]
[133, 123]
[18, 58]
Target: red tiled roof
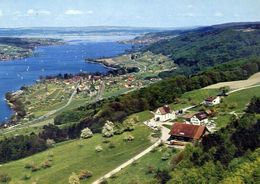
[188, 130]
[210, 99]
[201, 115]
[165, 110]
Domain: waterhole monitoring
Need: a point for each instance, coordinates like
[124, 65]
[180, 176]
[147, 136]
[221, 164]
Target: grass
[193, 98]
[142, 116]
[138, 173]
[77, 155]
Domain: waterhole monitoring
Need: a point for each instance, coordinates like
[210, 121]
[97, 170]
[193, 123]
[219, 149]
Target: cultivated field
[254, 79]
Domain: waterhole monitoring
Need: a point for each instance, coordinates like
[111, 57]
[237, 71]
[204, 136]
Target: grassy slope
[193, 98]
[73, 156]
[137, 173]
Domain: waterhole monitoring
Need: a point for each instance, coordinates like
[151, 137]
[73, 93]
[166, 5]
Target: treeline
[222, 155]
[117, 109]
[198, 49]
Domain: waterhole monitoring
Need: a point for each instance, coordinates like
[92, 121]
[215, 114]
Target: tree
[74, 179]
[50, 142]
[108, 129]
[86, 133]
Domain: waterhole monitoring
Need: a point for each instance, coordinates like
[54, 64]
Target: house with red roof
[164, 114]
[212, 100]
[199, 118]
[187, 132]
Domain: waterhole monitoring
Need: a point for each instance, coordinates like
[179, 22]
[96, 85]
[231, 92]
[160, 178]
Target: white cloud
[218, 14]
[33, 12]
[73, 12]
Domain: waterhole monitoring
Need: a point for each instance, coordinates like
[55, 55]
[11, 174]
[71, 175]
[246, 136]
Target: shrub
[162, 175]
[106, 141]
[29, 165]
[166, 156]
[150, 170]
[35, 168]
[46, 164]
[111, 145]
[104, 182]
[74, 179]
[129, 138]
[85, 174]
[86, 133]
[4, 178]
[135, 163]
[108, 129]
[99, 148]
[50, 143]
[26, 176]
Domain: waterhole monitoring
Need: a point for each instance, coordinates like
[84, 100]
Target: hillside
[197, 49]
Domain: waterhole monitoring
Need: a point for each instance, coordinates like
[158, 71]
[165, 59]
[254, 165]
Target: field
[77, 155]
[143, 170]
[149, 64]
[193, 98]
[254, 79]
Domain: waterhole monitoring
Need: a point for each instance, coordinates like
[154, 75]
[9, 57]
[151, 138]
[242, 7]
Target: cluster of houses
[193, 127]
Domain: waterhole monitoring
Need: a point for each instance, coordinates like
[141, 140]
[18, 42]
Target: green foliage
[4, 178]
[86, 133]
[205, 47]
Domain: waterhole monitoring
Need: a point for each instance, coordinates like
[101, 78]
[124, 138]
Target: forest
[205, 47]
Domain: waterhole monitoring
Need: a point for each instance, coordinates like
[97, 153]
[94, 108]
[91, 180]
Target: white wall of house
[214, 102]
[165, 117]
[195, 121]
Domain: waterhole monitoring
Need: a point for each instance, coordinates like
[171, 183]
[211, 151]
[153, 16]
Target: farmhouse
[198, 118]
[164, 114]
[212, 100]
[187, 132]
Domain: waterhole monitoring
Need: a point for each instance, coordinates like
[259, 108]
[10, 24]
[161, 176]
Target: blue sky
[138, 13]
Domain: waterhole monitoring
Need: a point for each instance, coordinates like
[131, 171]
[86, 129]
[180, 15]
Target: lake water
[51, 60]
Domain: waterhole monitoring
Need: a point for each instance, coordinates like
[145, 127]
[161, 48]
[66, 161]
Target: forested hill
[207, 46]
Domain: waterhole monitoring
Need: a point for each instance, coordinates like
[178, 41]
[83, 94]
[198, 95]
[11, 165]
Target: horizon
[133, 13]
[134, 27]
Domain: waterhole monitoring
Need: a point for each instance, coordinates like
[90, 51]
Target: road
[164, 137]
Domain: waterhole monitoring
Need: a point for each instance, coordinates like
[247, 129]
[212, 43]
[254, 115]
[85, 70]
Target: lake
[52, 60]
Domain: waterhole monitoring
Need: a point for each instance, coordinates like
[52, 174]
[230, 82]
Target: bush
[29, 165]
[99, 148]
[46, 164]
[86, 133]
[106, 141]
[150, 170]
[35, 168]
[166, 156]
[26, 176]
[50, 143]
[111, 145]
[129, 138]
[85, 174]
[4, 178]
[108, 129]
[74, 179]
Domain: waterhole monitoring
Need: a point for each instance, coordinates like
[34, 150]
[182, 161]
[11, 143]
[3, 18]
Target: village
[186, 126]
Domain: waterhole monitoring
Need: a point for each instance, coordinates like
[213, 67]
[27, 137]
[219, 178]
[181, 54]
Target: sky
[136, 13]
